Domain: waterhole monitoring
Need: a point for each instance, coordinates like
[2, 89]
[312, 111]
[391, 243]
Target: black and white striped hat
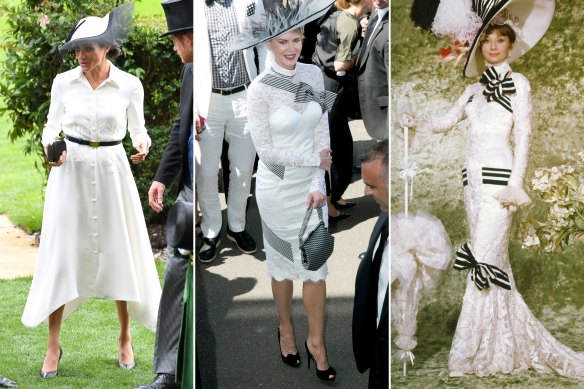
[530, 19]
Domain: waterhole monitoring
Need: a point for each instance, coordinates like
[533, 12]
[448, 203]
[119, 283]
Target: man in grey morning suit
[179, 18]
[372, 72]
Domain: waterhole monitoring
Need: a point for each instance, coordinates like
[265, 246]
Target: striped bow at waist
[482, 274]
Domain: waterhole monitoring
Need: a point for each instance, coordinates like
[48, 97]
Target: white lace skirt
[496, 331]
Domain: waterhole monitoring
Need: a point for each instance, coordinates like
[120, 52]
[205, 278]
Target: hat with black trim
[112, 28]
[530, 20]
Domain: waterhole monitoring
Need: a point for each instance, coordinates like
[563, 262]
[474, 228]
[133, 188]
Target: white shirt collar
[114, 75]
[284, 72]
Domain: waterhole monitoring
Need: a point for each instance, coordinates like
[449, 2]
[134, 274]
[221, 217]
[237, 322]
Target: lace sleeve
[521, 129]
[258, 103]
[322, 139]
[454, 114]
[56, 110]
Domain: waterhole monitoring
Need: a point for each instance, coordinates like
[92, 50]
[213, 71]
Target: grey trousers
[171, 306]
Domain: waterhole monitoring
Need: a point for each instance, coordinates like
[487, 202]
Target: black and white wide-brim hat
[112, 28]
[270, 18]
[530, 19]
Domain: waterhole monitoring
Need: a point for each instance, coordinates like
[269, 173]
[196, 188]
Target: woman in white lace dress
[496, 331]
[288, 123]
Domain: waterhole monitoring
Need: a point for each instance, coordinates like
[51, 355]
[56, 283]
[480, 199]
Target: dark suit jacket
[371, 342]
[372, 81]
[175, 158]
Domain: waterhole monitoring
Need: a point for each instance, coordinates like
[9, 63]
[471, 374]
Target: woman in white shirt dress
[94, 241]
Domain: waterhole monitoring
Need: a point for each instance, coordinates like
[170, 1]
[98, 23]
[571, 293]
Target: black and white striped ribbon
[483, 7]
[464, 177]
[498, 87]
[302, 91]
[496, 176]
[482, 274]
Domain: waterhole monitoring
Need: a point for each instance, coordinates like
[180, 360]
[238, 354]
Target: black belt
[227, 92]
[92, 143]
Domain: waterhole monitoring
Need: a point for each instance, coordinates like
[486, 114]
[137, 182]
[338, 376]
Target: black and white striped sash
[498, 87]
[303, 92]
[496, 176]
[482, 274]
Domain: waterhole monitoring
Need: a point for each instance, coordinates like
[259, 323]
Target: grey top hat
[113, 27]
[179, 15]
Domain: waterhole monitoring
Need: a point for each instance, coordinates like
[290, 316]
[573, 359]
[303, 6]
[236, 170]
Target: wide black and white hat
[269, 18]
[112, 28]
[530, 19]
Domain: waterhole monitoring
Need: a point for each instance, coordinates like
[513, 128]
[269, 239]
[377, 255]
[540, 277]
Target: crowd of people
[249, 104]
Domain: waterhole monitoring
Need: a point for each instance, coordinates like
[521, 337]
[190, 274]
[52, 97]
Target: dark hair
[501, 29]
[114, 51]
[379, 151]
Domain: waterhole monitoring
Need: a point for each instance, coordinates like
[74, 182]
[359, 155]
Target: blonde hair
[345, 4]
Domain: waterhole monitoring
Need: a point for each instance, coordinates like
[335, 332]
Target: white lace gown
[496, 331]
[288, 137]
[94, 241]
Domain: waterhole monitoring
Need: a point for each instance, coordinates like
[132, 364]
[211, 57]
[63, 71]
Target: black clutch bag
[55, 149]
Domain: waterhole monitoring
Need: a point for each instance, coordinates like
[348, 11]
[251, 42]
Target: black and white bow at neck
[498, 86]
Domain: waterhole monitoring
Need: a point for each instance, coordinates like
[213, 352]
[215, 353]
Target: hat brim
[534, 18]
[314, 10]
[176, 31]
[119, 23]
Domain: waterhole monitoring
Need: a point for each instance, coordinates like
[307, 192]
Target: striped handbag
[318, 245]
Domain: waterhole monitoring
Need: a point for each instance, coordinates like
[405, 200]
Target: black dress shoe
[290, 359]
[340, 216]
[6, 382]
[347, 205]
[162, 381]
[362, 256]
[209, 249]
[243, 240]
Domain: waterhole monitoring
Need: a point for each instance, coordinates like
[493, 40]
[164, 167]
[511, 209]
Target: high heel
[127, 366]
[290, 359]
[53, 373]
[324, 375]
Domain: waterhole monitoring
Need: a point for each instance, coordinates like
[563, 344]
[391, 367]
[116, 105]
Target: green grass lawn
[89, 342]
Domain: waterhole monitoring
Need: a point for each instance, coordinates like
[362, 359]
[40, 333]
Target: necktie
[370, 28]
[374, 275]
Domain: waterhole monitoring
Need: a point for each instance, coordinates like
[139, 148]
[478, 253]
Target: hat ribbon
[303, 92]
[498, 87]
[482, 274]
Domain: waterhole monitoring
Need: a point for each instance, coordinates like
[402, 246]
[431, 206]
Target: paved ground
[236, 317]
[18, 251]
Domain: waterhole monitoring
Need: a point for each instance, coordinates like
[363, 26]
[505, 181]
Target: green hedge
[32, 62]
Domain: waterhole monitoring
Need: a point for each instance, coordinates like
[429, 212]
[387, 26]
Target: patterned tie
[497, 87]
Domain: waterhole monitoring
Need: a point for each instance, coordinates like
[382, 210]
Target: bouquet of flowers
[562, 187]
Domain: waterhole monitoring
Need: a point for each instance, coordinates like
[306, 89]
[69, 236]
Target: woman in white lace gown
[289, 128]
[496, 331]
